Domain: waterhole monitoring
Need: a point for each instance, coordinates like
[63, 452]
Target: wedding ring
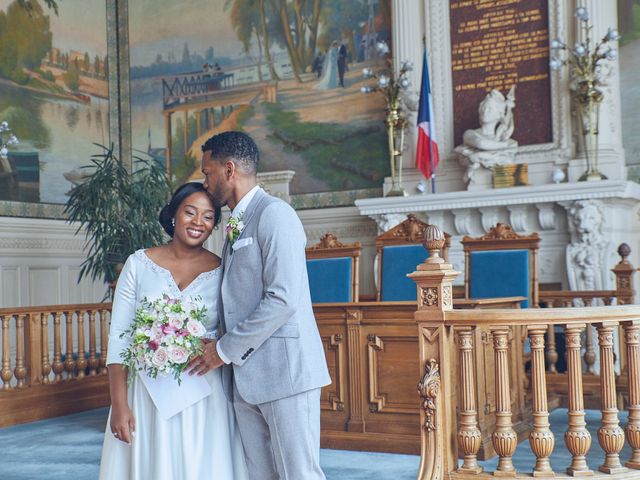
[115, 434]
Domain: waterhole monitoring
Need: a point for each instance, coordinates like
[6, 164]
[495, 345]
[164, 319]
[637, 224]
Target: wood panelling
[372, 350]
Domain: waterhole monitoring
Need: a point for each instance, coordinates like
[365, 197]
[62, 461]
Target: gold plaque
[510, 175]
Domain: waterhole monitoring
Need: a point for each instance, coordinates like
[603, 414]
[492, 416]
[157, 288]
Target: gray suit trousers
[281, 438]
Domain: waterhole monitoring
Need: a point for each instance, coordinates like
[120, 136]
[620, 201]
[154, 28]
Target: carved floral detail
[502, 231]
[429, 296]
[329, 240]
[429, 389]
[412, 229]
[447, 296]
[605, 339]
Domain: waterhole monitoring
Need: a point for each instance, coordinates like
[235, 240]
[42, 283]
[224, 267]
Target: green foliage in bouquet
[118, 211]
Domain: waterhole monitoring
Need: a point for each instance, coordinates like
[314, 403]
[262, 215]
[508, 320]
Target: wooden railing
[52, 361]
[372, 354]
[449, 416]
[555, 354]
[622, 295]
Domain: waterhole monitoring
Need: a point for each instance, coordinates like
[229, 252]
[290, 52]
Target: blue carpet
[70, 446]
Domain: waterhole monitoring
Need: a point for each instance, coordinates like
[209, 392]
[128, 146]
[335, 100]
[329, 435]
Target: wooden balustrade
[446, 437]
[372, 353]
[39, 377]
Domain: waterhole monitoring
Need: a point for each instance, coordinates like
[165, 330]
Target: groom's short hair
[237, 147]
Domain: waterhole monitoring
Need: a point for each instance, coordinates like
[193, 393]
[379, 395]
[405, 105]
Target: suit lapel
[257, 199]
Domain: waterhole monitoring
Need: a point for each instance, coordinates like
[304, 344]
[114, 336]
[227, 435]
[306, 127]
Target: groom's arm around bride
[271, 339]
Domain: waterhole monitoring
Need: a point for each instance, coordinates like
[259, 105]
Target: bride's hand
[123, 424]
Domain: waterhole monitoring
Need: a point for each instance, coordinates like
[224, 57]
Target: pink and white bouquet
[166, 334]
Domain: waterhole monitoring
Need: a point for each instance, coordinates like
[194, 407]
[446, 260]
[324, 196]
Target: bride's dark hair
[168, 212]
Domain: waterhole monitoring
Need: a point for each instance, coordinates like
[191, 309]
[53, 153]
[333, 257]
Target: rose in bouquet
[166, 334]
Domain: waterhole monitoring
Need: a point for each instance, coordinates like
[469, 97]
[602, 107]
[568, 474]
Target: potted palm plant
[117, 210]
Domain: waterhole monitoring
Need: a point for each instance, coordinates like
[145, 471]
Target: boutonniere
[234, 227]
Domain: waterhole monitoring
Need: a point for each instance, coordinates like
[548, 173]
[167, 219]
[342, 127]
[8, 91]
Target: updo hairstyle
[168, 212]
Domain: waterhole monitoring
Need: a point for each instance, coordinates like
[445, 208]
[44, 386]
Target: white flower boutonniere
[234, 228]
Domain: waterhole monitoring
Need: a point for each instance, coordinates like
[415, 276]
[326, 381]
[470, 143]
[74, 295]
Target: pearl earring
[173, 222]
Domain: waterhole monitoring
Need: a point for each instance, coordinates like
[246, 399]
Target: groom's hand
[209, 360]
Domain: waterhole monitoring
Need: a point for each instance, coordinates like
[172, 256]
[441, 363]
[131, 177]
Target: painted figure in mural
[342, 63]
[270, 350]
[329, 77]
[202, 437]
[317, 64]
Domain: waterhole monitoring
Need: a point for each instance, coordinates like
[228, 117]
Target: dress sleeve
[123, 311]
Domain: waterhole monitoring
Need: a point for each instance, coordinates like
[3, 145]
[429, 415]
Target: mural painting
[53, 94]
[287, 73]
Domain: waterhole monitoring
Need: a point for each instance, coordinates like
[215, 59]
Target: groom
[270, 342]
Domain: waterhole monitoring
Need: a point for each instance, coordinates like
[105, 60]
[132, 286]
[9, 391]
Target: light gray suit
[271, 337]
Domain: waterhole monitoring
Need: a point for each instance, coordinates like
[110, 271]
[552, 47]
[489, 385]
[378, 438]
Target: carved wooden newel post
[437, 413]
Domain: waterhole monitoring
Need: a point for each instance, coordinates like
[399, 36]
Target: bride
[329, 77]
[201, 441]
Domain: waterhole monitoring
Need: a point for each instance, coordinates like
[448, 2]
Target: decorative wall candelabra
[391, 84]
[586, 64]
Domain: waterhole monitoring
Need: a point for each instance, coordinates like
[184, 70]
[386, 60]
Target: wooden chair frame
[408, 232]
[330, 247]
[502, 237]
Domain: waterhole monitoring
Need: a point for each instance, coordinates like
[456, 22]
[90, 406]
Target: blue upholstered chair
[333, 270]
[399, 251]
[502, 264]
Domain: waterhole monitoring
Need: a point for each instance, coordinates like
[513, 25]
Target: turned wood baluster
[44, 337]
[58, 367]
[93, 360]
[577, 437]
[504, 438]
[104, 340]
[469, 436]
[69, 362]
[590, 353]
[540, 438]
[552, 354]
[20, 371]
[610, 435]
[632, 337]
[5, 372]
[82, 361]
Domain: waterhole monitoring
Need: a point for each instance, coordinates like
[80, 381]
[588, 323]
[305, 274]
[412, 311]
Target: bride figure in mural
[329, 77]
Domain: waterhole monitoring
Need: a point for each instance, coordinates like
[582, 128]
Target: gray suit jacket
[270, 333]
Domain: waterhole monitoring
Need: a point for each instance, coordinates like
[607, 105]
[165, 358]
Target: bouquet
[165, 335]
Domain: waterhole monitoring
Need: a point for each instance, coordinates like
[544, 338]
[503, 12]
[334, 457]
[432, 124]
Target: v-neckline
[172, 278]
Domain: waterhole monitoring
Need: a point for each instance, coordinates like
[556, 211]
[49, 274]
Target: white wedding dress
[202, 441]
[329, 79]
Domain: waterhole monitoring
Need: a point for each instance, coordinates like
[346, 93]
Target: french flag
[427, 151]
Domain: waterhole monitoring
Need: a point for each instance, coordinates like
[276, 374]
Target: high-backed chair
[502, 264]
[399, 251]
[333, 270]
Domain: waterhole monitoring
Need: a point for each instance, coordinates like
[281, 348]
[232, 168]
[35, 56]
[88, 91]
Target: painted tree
[249, 18]
[96, 66]
[86, 64]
